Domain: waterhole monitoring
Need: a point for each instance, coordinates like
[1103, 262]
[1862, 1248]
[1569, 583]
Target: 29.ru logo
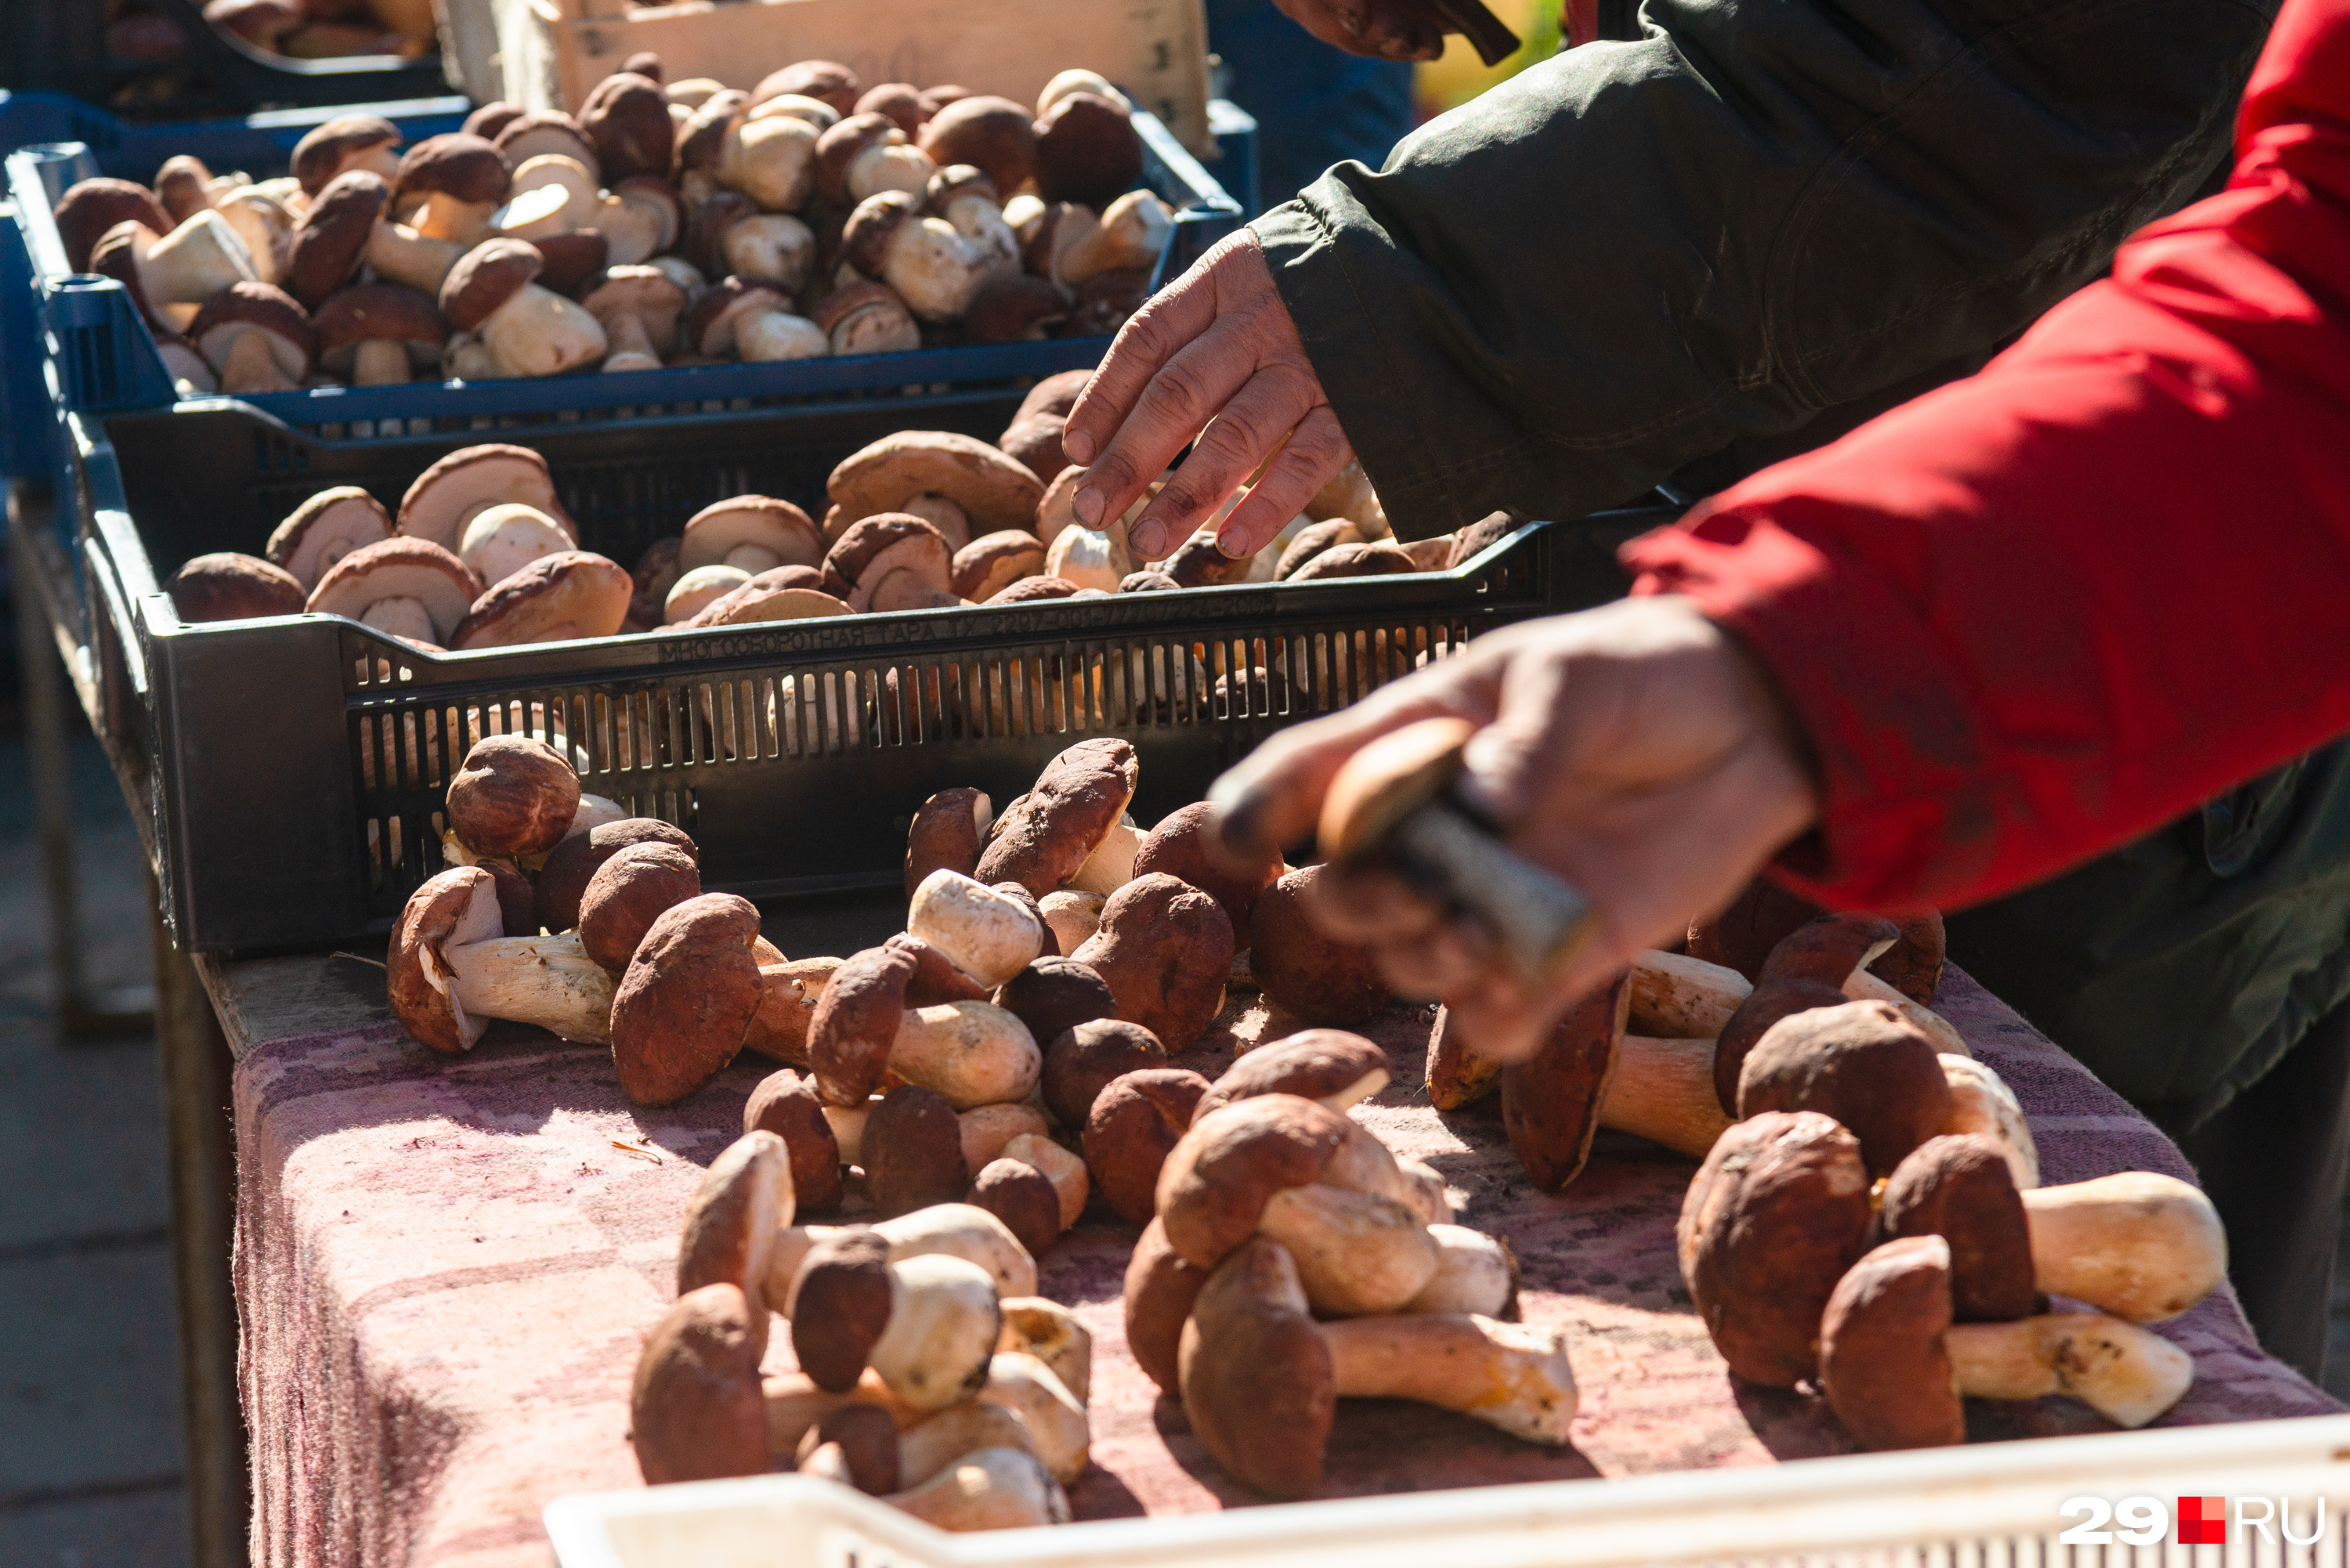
[2200, 1520]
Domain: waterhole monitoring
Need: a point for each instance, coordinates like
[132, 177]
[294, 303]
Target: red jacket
[2042, 610]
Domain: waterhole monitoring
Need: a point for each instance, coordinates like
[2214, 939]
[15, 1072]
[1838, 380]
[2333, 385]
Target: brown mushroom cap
[994, 491]
[856, 1023]
[1037, 590]
[485, 278]
[1135, 1123]
[384, 312]
[1743, 936]
[687, 1000]
[993, 562]
[533, 133]
[1861, 1062]
[1883, 1363]
[1023, 1198]
[993, 134]
[867, 317]
[731, 1221]
[759, 521]
[1913, 966]
[1776, 1214]
[572, 863]
[1054, 994]
[912, 1152]
[398, 568]
[886, 544]
[1311, 541]
[326, 150]
[1754, 1017]
[1959, 1186]
[900, 101]
[226, 585]
[1160, 1290]
[92, 206]
[1086, 150]
[710, 325]
[466, 167]
[470, 480]
[491, 118]
[1299, 969]
[1259, 1384]
[1081, 1061]
[631, 889]
[1550, 1102]
[1041, 838]
[262, 308]
[785, 1104]
[1166, 950]
[457, 907]
[865, 1438]
[1830, 948]
[512, 796]
[827, 81]
[626, 117]
[325, 528]
[1329, 1065]
[570, 594]
[838, 146]
[1217, 1181]
[1182, 844]
[946, 834]
[696, 1409]
[1369, 558]
[569, 261]
[1034, 439]
[839, 1306]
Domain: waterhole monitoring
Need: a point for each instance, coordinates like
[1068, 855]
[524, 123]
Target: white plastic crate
[1992, 1506]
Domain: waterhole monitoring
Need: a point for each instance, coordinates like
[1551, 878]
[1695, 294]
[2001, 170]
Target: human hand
[1213, 355]
[1637, 750]
[1383, 29]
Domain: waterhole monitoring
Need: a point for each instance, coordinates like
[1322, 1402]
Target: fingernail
[1076, 446]
[1233, 545]
[1149, 539]
[1088, 507]
[1239, 818]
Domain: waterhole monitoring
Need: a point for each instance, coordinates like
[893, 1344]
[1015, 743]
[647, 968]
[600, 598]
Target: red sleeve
[2041, 611]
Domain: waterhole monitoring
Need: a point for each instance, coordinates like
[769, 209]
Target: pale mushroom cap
[447, 495]
[556, 598]
[507, 537]
[756, 532]
[325, 528]
[400, 568]
[695, 591]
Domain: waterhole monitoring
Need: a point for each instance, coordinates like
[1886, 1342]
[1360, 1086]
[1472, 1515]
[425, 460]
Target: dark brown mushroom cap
[1883, 1363]
[873, 227]
[319, 155]
[92, 206]
[1054, 396]
[569, 594]
[703, 136]
[912, 1151]
[944, 834]
[1311, 541]
[626, 894]
[333, 235]
[1081, 1061]
[571, 260]
[1957, 1187]
[461, 906]
[512, 796]
[1054, 994]
[342, 514]
[1314, 1064]
[900, 101]
[1479, 536]
[1086, 150]
[993, 562]
[1037, 590]
[886, 535]
[866, 1439]
[732, 1220]
[841, 143]
[529, 134]
[1300, 970]
[485, 278]
[626, 117]
[490, 119]
[227, 586]
[1148, 583]
[1861, 1062]
[852, 300]
[687, 1000]
[1776, 1214]
[1913, 965]
[709, 325]
[115, 256]
[1550, 1102]
[1259, 1387]
[1182, 845]
[1371, 558]
[855, 1024]
[1166, 950]
[182, 185]
[785, 1104]
[518, 900]
[1012, 307]
[382, 311]
[262, 306]
[1023, 1198]
[399, 567]
[1105, 300]
[993, 134]
[994, 490]
[1830, 948]
[1743, 934]
[827, 81]
[456, 164]
[1160, 1290]
[935, 979]
[1198, 563]
[1034, 440]
[840, 1307]
[1761, 1007]
[572, 863]
[1041, 838]
[696, 1410]
[1135, 1123]
[1218, 1179]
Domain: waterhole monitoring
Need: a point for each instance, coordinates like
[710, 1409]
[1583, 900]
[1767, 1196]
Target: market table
[445, 1266]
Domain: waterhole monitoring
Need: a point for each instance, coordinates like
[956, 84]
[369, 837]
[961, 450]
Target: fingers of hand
[1247, 427]
[1317, 450]
[1168, 321]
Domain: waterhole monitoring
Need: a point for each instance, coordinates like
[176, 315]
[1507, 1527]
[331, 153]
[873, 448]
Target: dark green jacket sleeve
[1631, 255]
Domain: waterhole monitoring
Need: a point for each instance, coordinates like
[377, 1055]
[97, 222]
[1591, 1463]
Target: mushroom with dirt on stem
[1166, 950]
[1046, 839]
[451, 970]
[928, 1325]
[1136, 1122]
[971, 1053]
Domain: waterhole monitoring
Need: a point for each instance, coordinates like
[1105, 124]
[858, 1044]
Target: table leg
[198, 1112]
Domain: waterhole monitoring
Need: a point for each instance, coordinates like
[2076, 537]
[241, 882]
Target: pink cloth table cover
[444, 1267]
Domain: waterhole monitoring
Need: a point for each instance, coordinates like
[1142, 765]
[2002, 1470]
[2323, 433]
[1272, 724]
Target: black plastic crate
[299, 762]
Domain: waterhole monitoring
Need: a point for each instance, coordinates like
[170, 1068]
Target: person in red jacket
[1980, 641]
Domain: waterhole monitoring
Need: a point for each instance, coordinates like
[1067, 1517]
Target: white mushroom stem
[1862, 986]
[537, 332]
[971, 1053]
[848, 1123]
[546, 981]
[632, 346]
[925, 1450]
[2123, 1372]
[943, 1230]
[1511, 1376]
[988, 1129]
[942, 1332]
[1986, 1107]
[403, 256]
[1357, 1253]
[1474, 1273]
[1043, 1328]
[991, 1489]
[767, 336]
[380, 362]
[2141, 1246]
[1055, 1420]
[195, 261]
[251, 367]
[988, 935]
[401, 616]
[1662, 1090]
[1683, 998]
[1111, 865]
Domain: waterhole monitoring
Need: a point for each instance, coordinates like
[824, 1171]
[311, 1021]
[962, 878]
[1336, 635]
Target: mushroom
[931, 264]
[626, 894]
[320, 531]
[458, 488]
[756, 532]
[772, 247]
[827, 81]
[550, 194]
[1091, 558]
[1020, 1195]
[1550, 1102]
[783, 1103]
[967, 199]
[90, 207]
[772, 159]
[1054, 994]
[506, 538]
[512, 797]
[574, 859]
[257, 337]
[1329, 1066]
[1375, 559]
[988, 935]
[1064, 1171]
[753, 321]
[402, 586]
[985, 1129]
[1136, 1122]
[1983, 1105]
[226, 585]
[1166, 950]
[992, 133]
[941, 1229]
[1310, 1179]
[745, 1198]
[1300, 970]
[892, 561]
[858, 1445]
[1860, 1061]
[914, 471]
[1818, 964]
[639, 218]
[865, 317]
[987, 1489]
[1743, 936]
[1086, 1057]
[686, 1002]
[346, 142]
[1077, 79]
[379, 335]
[696, 590]
[538, 133]
[1474, 1273]
[638, 308]
[927, 1325]
[554, 598]
[788, 1006]
[626, 117]
[1260, 1379]
[1045, 837]
[971, 1053]
[756, 602]
[1159, 1292]
[1183, 845]
[401, 255]
[696, 1410]
[1043, 1328]
[1086, 149]
[447, 186]
[1893, 1365]
[993, 562]
[1777, 1213]
[451, 970]
[529, 331]
[946, 833]
[2136, 1244]
[865, 155]
[264, 227]
[1033, 437]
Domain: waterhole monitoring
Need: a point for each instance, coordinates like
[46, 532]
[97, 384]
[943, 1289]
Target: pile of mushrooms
[930, 1372]
[679, 225]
